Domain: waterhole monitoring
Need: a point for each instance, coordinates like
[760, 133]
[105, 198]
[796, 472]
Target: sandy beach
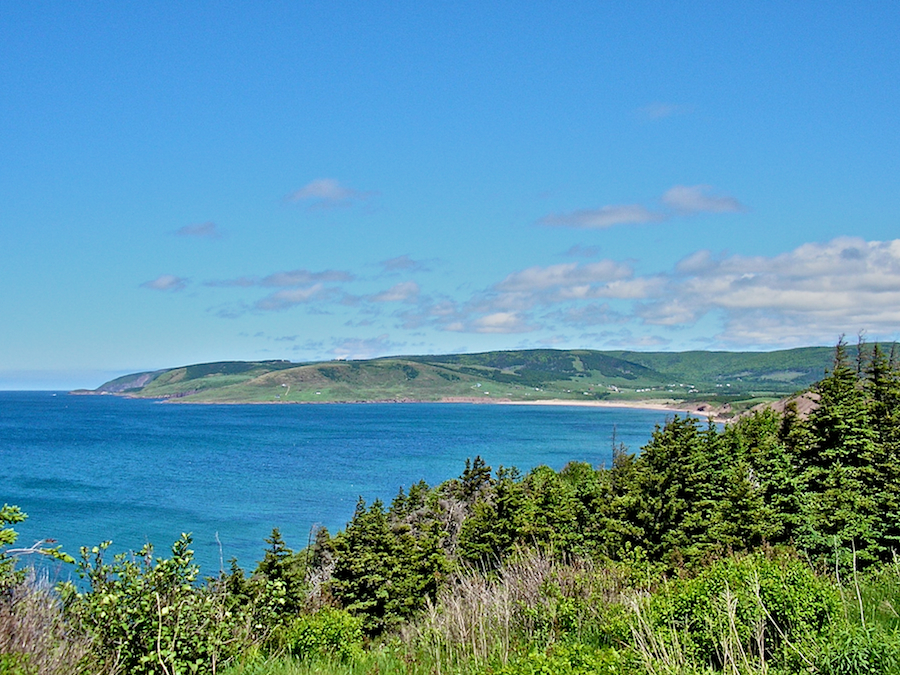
[717, 413]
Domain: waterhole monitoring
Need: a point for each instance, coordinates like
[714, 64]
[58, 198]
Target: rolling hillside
[582, 375]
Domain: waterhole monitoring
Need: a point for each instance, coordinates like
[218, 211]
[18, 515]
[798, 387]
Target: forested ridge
[764, 546]
[732, 379]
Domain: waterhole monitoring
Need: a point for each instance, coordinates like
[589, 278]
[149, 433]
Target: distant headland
[713, 383]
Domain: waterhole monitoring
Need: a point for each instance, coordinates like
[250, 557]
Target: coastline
[717, 413]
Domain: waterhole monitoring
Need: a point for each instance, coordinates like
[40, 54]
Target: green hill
[583, 375]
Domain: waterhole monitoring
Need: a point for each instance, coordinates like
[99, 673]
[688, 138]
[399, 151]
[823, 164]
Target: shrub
[148, 616]
[567, 659]
[859, 650]
[328, 632]
[737, 612]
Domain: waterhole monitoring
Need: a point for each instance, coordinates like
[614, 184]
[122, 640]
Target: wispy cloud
[325, 193]
[166, 282]
[403, 263]
[498, 322]
[658, 111]
[691, 199]
[287, 279]
[809, 294]
[817, 290]
[301, 277]
[406, 291]
[678, 200]
[579, 251]
[603, 217]
[289, 297]
[591, 314]
[365, 348]
[207, 230]
[564, 275]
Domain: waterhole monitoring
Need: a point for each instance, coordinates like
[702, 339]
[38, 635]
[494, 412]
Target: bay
[91, 468]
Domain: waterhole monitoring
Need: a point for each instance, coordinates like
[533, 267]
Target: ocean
[93, 468]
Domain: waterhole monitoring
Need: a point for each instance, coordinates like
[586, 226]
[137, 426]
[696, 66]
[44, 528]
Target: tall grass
[533, 602]
[539, 615]
[35, 638]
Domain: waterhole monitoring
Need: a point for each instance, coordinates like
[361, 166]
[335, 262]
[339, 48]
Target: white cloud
[579, 251]
[658, 111]
[301, 277]
[815, 292]
[327, 193]
[603, 217]
[498, 322]
[407, 291]
[633, 289]
[564, 275]
[368, 348]
[289, 297]
[403, 263]
[671, 312]
[808, 295]
[592, 314]
[692, 199]
[207, 230]
[684, 200]
[166, 282]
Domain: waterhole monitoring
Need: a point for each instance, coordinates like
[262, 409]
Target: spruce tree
[840, 505]
[668, 488]
[769, 471]
[883, 394]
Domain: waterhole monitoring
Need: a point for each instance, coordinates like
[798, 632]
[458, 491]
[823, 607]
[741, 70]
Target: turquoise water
[91, 468]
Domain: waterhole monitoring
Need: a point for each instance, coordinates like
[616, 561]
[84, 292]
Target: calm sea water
[91, 468]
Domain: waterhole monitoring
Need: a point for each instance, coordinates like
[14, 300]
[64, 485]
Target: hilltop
[720, 379]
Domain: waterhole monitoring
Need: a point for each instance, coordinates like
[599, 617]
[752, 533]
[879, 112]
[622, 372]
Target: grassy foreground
[753, 614]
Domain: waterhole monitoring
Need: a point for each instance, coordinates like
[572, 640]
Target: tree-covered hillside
[717, 378]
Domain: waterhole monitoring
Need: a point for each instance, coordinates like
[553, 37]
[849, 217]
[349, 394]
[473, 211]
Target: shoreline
[717, 413]
[702, 409]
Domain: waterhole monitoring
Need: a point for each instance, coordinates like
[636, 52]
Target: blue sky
[195, 182]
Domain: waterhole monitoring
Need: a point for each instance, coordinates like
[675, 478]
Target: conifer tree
[620, 522]
[769, 469]
[883, 393]
[280, 565]
[666, 488]
[551, 512]
[840, 507]
[489, 534]
[382, 570]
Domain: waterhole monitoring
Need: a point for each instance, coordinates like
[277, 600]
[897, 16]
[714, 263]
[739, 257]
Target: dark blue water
[91, 468]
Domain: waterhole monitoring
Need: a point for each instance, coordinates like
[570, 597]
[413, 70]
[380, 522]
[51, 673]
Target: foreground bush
[740, 614]
[327, 633]
[147, 616]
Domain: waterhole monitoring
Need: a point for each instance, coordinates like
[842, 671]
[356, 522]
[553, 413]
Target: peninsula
[706, 381]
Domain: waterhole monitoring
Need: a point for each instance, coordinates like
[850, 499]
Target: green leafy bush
[328, 632]
[148, 616]
[859, 650]
[737, 612]
[567, 659]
